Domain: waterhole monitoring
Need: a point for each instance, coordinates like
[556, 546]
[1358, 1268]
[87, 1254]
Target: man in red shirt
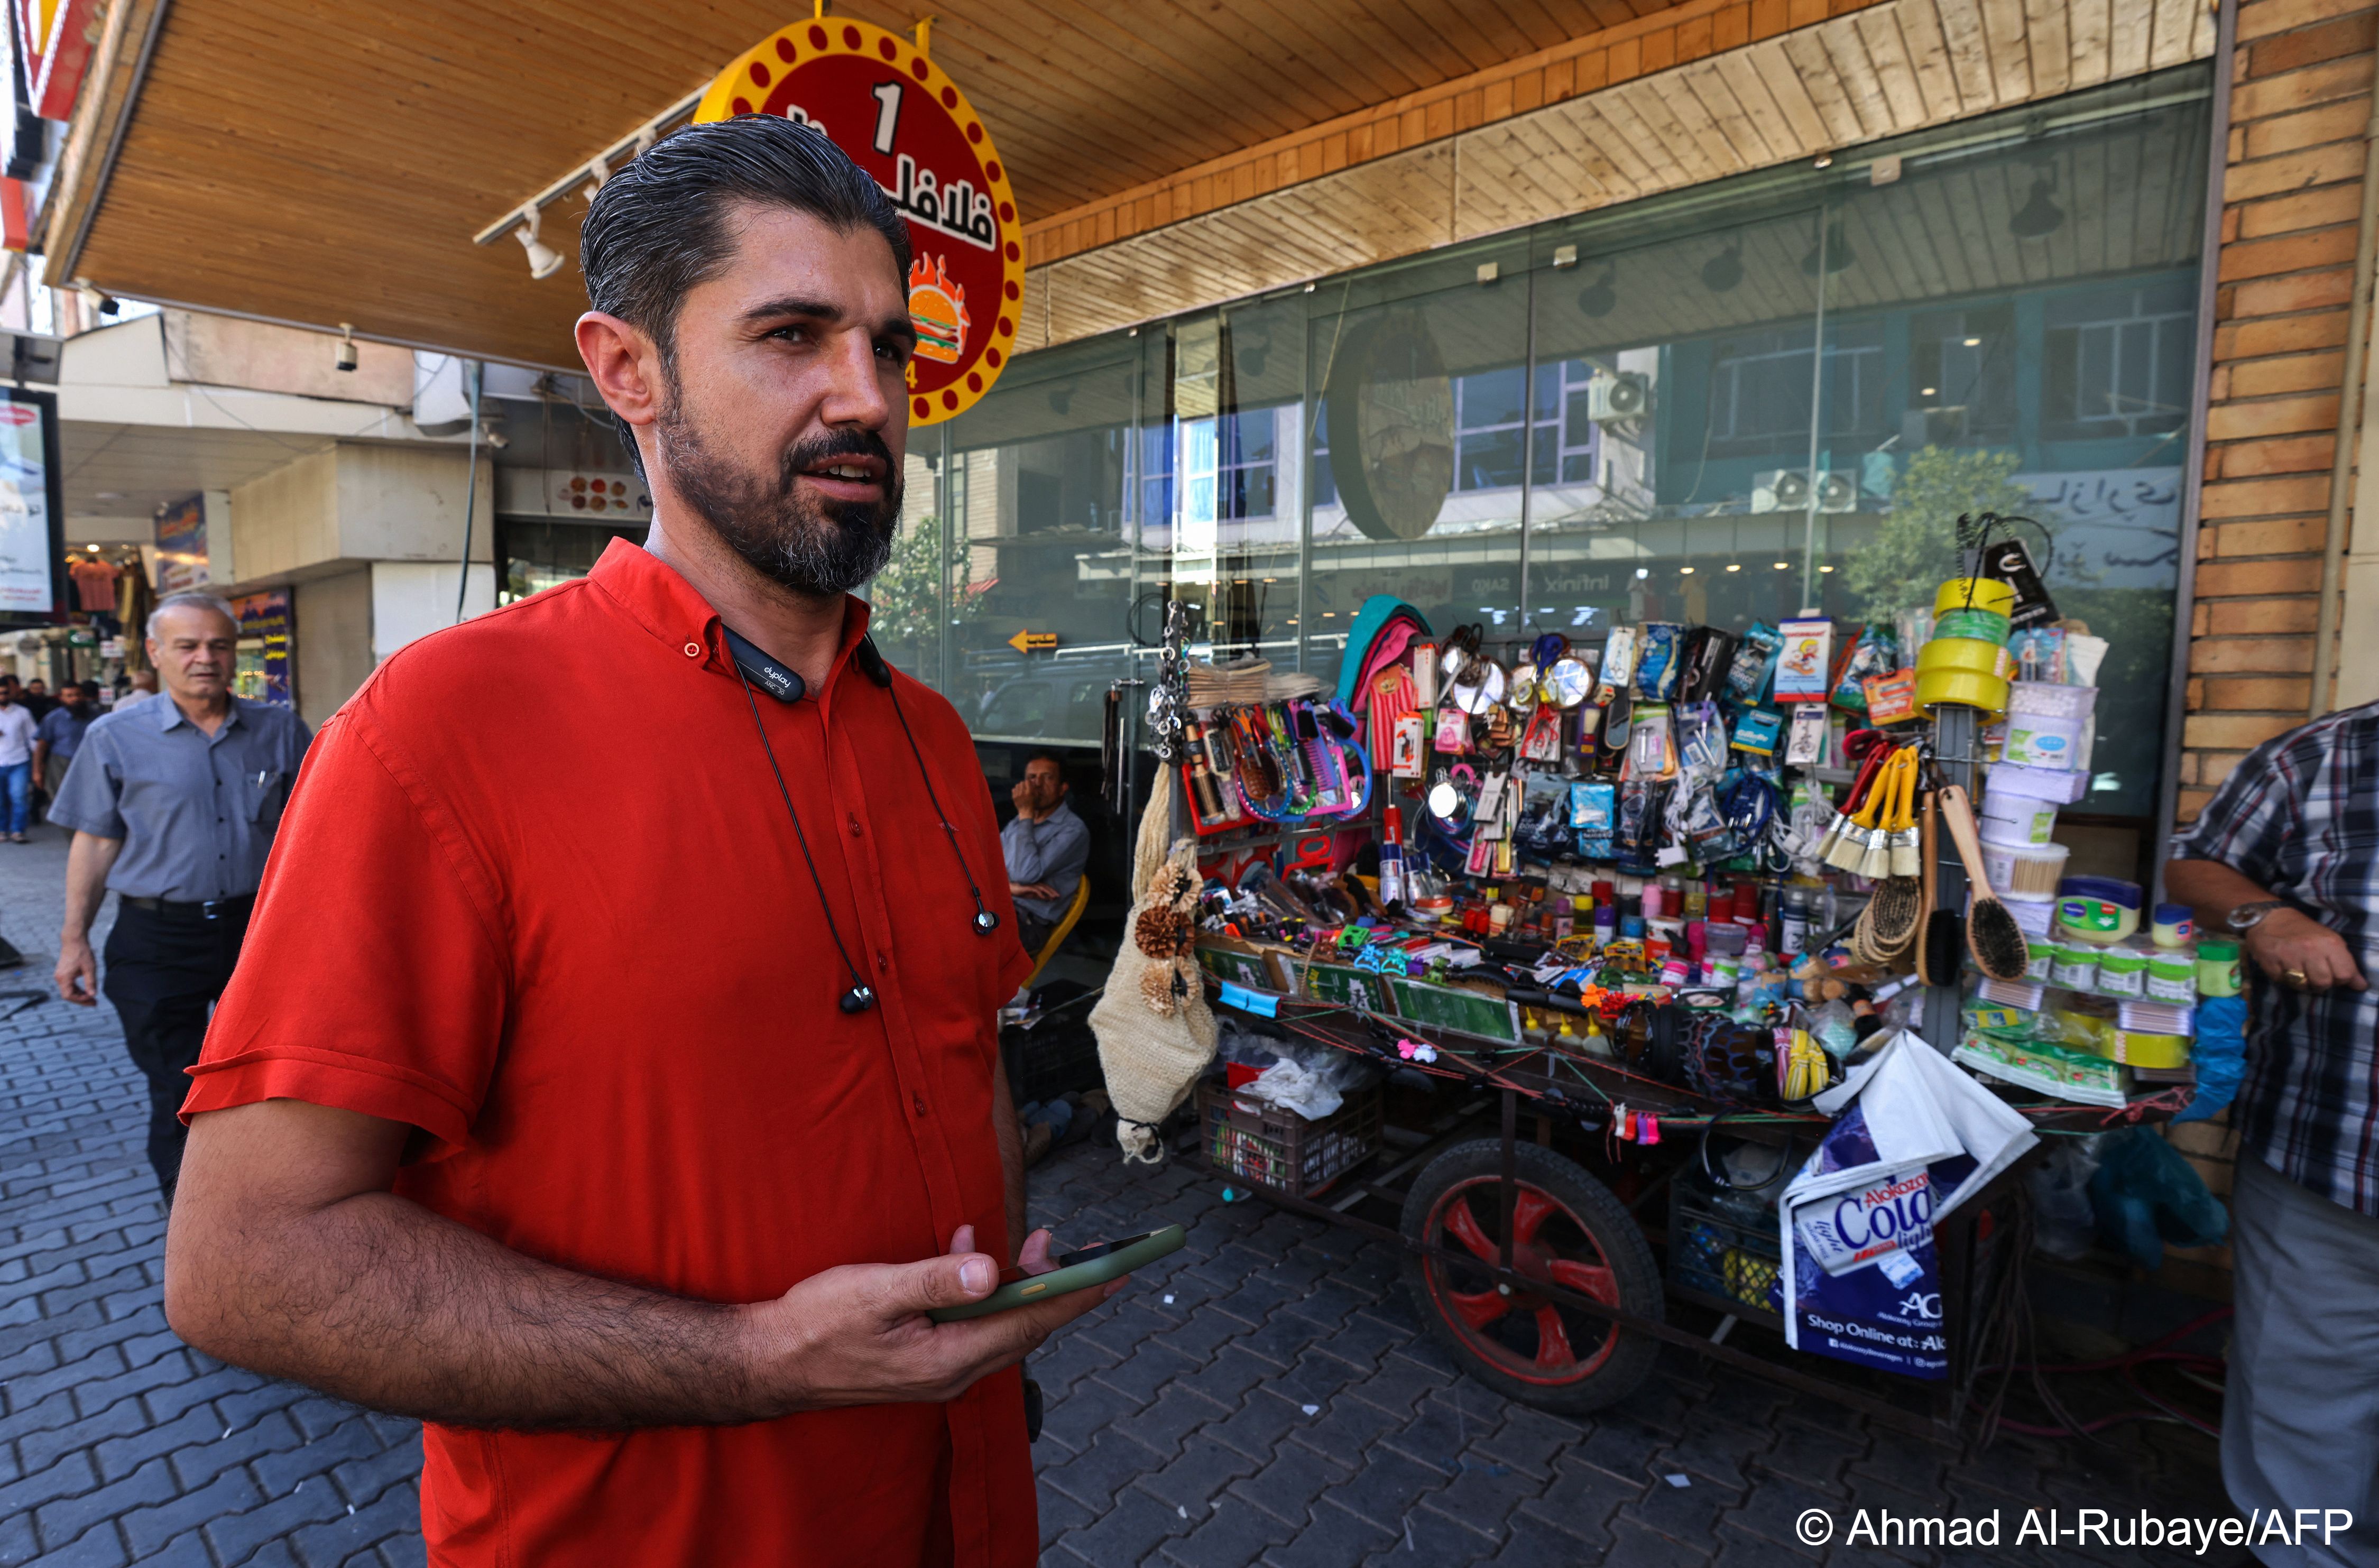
[622, 1121]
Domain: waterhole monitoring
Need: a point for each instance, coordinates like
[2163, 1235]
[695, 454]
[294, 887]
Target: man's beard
[811, 546]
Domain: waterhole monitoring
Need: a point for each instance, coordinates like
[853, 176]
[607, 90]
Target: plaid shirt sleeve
[2246, 825]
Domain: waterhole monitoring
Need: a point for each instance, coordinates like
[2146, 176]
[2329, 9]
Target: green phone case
[1077, 1276]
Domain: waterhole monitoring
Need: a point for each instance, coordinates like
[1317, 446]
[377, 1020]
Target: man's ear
[625, 364]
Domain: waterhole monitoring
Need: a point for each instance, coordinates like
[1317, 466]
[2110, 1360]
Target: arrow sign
[1033, 642]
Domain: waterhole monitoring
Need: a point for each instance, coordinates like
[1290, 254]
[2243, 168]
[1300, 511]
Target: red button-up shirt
[536, 895]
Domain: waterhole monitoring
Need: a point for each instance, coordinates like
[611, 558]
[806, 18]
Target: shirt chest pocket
[259, 796]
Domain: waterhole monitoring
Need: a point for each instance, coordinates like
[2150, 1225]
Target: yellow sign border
[757, 69]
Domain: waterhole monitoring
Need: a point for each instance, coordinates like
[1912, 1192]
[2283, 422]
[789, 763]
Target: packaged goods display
[1658, 876]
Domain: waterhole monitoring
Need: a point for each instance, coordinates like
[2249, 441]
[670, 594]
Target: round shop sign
[905, 122]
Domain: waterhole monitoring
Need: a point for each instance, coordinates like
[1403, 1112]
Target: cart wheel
[1567, 1230]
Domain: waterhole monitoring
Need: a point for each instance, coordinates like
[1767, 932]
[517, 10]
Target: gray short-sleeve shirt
[196, 813]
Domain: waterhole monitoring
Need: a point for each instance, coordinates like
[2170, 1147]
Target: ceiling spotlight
[93, 549]
[1824, 161]
[1723, 272]
[1685, 571]
[109, 305]
[1974, 342]
[1783, 566]
[1836, 250]
[1825, 569]
[1734, 566]
[1642, 572]
[1926, 392]
[543, 259]
[1599, 298]
[345, 358]
[107, 495]
[2038, 217]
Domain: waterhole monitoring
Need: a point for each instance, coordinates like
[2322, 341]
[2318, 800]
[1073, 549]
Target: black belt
[211, 909]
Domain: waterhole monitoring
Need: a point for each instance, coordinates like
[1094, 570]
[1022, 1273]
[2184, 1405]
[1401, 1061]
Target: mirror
[1568, 683]
[1482, 687]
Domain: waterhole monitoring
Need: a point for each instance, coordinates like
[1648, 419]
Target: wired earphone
[786, 686]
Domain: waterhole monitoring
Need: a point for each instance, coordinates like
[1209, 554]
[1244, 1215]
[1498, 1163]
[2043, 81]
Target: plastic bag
[2063, 1221]
[2147, 1197]
[2219, 1055]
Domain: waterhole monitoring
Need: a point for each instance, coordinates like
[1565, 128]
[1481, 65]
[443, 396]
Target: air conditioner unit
[1625, 394]
[1787, 489]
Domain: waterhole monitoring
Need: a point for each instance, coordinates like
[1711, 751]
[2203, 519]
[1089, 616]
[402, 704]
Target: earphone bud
[985, 923]
[858, 999]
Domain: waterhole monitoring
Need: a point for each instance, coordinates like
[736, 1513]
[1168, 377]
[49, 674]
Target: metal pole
[1817, 416]
[2184, 607]
[477, 372]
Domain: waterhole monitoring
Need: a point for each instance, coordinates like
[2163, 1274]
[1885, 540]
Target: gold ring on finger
[2296, 978]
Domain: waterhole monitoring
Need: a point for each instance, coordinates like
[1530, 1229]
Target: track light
[2038, 217]
[109, 305]
[346, 359]
[543, 259]
[1723, 272]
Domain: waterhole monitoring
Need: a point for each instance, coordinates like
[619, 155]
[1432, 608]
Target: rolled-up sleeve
[374, 975]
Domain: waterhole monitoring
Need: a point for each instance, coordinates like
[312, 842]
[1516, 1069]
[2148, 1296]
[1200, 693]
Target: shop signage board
[182, 546]
[878, 98]
[264, 628]
[32, 510]
[1033, 642]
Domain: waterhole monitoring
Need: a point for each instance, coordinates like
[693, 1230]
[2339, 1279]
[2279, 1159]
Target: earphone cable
[858, 980]
[950, 832]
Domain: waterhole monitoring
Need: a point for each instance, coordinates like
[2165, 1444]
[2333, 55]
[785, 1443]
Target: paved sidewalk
[1263, 1394]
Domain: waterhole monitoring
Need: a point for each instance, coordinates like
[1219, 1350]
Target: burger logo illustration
[937, 309]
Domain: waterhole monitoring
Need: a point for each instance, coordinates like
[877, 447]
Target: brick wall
[2300, 103]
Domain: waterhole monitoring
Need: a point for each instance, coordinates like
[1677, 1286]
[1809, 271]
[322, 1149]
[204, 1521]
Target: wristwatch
[2244, 918]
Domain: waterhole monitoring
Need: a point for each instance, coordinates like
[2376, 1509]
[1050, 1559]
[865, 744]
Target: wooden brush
[1992, 935]
[1945, 930]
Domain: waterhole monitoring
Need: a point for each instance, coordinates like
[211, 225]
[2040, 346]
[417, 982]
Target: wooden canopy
[320, 163]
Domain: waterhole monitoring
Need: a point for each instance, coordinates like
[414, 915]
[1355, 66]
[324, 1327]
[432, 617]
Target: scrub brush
[1906, 861]
[1992, 935]
[1945, 930]
[1838, 840]
[1875, 854]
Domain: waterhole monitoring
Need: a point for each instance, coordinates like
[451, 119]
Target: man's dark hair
[660, 227]
[1052, 758]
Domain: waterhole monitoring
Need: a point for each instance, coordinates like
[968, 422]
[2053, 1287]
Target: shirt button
[854, 825]
[693, 650]
[884, 963]
[920, 1103]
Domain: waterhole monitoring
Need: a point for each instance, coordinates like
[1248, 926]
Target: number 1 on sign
[887, 113]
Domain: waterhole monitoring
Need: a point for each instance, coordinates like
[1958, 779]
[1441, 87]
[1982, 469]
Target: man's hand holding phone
[857, 1335]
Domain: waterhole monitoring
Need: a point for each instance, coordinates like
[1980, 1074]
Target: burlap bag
[1155, 1032]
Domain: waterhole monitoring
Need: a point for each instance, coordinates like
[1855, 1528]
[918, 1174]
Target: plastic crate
[1724, 1252]
[1262, 1144]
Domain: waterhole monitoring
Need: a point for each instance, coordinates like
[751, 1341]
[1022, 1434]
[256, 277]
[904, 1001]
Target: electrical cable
[861, 997]
[985, 923]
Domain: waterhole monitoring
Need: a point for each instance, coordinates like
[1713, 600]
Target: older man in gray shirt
[1047, 848]
[173, 805]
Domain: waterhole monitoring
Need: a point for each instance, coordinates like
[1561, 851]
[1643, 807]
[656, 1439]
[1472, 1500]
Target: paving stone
[1401, 1382]
[1152, 1366]
[1484, 1495]
[1096, 1476]
[281, 1470]
[1347, 1431]
[1260, 1423]
[1129, 1528]
[1059, 1513]
[1178, 1411]
[1442, 1429]
[1529, 1440]
[237, 1537]
[1081, 1415]
[98, 1547]
[1387, 1488]
[1287, 1486]
[66, 1518]
[344, 1537]
[1335, 1540]
[196, 1464]
[1232, 1535]
[1635, 1545]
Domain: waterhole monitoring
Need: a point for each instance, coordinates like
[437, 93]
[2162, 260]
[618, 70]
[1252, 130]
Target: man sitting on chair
[1046, 846]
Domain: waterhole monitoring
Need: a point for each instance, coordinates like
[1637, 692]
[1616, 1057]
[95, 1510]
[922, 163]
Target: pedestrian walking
[2282, 856]
[173, 806]
[59, 734]
[17, 731]
[625, 1122]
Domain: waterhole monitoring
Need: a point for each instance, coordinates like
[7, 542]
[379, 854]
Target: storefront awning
[327, 164]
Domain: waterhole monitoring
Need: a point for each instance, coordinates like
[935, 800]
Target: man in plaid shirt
[2287, 856]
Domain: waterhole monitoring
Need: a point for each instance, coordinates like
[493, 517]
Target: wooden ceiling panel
[320, 163]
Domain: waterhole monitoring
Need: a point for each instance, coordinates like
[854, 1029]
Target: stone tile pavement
[1264, 1395]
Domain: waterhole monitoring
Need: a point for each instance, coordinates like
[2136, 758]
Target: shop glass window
[2118, 361]
[1724, 406]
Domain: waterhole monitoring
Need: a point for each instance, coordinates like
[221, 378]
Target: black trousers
[164, 971]
[1032, 930]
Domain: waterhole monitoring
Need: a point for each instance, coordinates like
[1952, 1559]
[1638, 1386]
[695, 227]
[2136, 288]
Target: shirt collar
[169, 712]
[665, 605]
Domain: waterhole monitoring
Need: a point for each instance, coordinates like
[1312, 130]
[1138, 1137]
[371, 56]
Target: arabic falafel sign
[878, 97]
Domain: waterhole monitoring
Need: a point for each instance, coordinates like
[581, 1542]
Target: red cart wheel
[1567, 1230]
